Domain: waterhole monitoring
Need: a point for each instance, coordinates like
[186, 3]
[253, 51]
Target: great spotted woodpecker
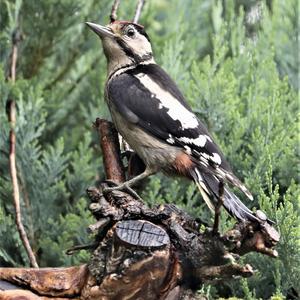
[152, 115]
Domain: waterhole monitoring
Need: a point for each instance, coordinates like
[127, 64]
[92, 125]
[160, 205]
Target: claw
[111, 183]
[124, 188]
[133, 193]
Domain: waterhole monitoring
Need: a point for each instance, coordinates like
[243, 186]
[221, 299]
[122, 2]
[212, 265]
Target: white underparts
[175, 109]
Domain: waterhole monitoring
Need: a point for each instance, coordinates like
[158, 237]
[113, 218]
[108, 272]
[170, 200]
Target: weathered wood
[133, 268]
[55, 282]
[143, 253]
[109, 143]
[204, 256]
[27, 295]
[142, 234]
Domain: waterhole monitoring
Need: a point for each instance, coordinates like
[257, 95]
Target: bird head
[124, 43]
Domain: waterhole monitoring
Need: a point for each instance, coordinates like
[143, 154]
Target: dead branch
[114, 9]
[143, 253]
[109, 143]
[16, 38]
[138, 11]
[52, 282]
[14, 178]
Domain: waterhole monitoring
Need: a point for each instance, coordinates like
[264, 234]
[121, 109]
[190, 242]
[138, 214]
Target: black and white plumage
[153, 116]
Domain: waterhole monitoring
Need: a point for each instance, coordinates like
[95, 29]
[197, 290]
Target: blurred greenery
[237, 64]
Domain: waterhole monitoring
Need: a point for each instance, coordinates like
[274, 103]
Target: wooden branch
[14, 178]
[16, 38]
[54, 282]
[109, 143]
[114, 9]
[202, 257]
[138, 11]
[156, 253]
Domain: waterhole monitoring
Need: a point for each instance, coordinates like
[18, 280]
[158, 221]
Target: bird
[152, 115]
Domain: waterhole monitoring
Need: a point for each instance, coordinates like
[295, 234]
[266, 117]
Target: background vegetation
[236, 62]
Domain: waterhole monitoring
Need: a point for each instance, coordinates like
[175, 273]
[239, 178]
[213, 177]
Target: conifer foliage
[237, 64]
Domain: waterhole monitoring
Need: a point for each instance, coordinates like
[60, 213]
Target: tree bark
[144, 253]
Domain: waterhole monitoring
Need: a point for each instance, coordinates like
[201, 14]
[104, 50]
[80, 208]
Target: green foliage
[237, 64]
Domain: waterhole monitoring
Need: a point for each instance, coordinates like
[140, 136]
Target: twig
[111, 152]
[218, 207]
[73, 249]
[16, 38]
[114, 9]
[27, 203]
[16, 194]
[213, 273]
[138, 10]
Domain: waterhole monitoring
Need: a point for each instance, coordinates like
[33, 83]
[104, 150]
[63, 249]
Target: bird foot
[121, 187]
[111, 183]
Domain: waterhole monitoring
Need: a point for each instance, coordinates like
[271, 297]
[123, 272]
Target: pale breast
[156, 154]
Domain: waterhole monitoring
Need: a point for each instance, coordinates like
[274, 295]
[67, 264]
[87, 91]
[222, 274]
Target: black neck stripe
[128, 51]
[118, 69]
[133, 65]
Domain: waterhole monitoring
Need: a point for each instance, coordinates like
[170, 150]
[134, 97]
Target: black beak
[102, 31]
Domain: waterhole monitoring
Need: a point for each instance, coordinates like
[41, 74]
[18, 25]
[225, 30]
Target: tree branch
[114, 9]
[16, 38]
[109, 143]
[149, 253]
[16, 193]
[138, 10]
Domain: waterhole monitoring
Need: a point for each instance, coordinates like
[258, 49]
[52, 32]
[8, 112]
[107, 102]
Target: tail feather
[206, 197]
[208, 185]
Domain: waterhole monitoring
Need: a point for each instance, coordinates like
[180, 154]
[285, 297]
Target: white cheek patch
[140, 45]
[174, 108]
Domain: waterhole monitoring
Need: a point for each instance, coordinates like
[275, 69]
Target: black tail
[208, 185]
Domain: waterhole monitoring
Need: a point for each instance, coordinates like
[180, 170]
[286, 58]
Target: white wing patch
[200, 141]
[188, 150]
[175, 109]
[208, 137]
[171, 139]
[216, 158]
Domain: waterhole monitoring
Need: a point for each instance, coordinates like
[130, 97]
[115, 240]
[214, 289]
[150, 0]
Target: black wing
[144, 106]
[141, 106]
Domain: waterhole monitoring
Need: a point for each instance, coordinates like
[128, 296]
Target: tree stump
[142, 253]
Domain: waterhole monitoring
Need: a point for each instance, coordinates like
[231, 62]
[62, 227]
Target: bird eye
[130, 32]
